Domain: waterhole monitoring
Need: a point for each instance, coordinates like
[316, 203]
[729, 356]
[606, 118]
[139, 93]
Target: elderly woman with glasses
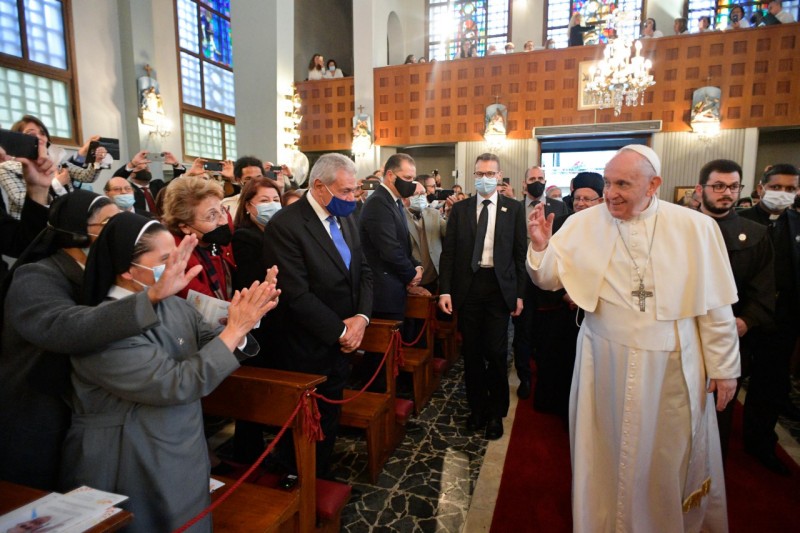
[193, 206]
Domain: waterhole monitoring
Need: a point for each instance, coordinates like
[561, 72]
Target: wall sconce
[161, 128]
[289, 121]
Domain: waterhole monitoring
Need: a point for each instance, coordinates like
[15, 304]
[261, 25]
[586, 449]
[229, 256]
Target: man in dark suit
[387, 247]
[526, 333]
[384, 234]
[482, 276]
[326, 286]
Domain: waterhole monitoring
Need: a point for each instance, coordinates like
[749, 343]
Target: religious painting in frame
[683, 191]
[584, 100]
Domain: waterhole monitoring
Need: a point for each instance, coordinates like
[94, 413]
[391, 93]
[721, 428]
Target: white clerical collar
[649, 212]
[394, 196]
[118, 293]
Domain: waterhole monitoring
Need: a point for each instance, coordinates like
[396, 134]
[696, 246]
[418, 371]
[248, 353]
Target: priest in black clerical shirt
[751, 256]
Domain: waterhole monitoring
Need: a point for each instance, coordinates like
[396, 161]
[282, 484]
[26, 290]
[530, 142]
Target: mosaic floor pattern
[427, 484]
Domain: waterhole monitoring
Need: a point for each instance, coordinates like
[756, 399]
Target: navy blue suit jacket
[387, 247]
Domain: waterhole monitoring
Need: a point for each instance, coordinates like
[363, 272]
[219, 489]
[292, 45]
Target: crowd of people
[104, 360]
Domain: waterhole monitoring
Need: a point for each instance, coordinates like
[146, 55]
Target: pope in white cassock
[658, 338]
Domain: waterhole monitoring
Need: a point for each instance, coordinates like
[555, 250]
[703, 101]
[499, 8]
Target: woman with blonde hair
[193, 206]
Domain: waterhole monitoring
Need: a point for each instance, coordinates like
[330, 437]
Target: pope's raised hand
[540, 228]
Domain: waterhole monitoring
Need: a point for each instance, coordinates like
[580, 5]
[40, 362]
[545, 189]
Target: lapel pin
[742, 237]
[503, 209]
[180, 341]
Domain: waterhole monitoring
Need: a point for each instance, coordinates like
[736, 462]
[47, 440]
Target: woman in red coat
[192, 206]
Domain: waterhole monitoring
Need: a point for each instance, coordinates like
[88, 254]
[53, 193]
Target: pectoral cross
[642, 294]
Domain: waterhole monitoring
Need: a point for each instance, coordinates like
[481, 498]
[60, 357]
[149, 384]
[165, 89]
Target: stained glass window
[37, 76]
[720, 10]
[480, 23]
[598, 13]
[206, 66]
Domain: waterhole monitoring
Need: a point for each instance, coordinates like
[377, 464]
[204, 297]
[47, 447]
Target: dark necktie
[151, 204]
[401, 207]
[480, 236]
[338, 240]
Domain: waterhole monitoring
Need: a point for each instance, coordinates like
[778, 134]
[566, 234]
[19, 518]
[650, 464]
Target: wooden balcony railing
[758, 71]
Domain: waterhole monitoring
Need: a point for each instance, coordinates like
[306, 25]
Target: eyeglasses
[489, 174]
[720, 187]
[213, 216]
[103, 223]
[585, 200]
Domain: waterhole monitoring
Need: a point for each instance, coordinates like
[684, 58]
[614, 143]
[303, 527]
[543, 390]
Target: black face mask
[535, 189]
[143, 175]
[221, 236]
[405, 188]
[796, 203]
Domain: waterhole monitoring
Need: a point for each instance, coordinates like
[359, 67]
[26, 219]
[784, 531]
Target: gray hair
[327, 166]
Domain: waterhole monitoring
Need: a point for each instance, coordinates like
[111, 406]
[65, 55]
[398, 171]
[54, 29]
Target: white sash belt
[632, 328]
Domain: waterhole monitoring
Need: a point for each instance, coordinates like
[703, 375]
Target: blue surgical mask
[266, 211]
[419, 202]
[338, 207]
[485, 186]
[157, 270]
[124, 201]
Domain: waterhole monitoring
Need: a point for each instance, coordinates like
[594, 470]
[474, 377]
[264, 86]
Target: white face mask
[777, 200]
[419, 202]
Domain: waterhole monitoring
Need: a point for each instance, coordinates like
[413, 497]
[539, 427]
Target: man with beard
[779, 210]
[751, 256]
[145, 188]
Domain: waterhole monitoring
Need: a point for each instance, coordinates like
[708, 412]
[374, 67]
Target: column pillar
[364, 61]
[263, 51]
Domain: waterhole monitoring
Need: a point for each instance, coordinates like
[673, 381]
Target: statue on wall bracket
[151, 106]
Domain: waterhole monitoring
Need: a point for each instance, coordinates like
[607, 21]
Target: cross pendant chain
[642, 294]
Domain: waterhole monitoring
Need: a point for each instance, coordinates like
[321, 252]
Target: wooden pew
[446, 331]
[267, 396]
[375, 412]
[418, 361]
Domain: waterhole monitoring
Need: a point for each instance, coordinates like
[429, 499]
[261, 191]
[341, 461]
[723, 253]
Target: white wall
[527, 22]
[99, 73]
[664, 12]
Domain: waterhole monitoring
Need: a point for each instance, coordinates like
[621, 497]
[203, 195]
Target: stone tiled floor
[427, 484]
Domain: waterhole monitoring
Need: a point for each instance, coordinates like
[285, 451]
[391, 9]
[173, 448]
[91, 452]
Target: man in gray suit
[426, 229]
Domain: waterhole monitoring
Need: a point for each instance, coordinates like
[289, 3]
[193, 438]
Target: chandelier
[620, 78]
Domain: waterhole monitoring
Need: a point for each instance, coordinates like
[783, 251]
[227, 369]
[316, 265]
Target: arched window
[480, 22]
[205, 56]
[595, 12]
[37, 66]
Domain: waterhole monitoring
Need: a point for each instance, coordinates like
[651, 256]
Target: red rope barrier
[395, 341]
[419, 337]
[244, 476]
[311, 423]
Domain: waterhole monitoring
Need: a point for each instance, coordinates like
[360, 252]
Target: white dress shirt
[487, 257]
